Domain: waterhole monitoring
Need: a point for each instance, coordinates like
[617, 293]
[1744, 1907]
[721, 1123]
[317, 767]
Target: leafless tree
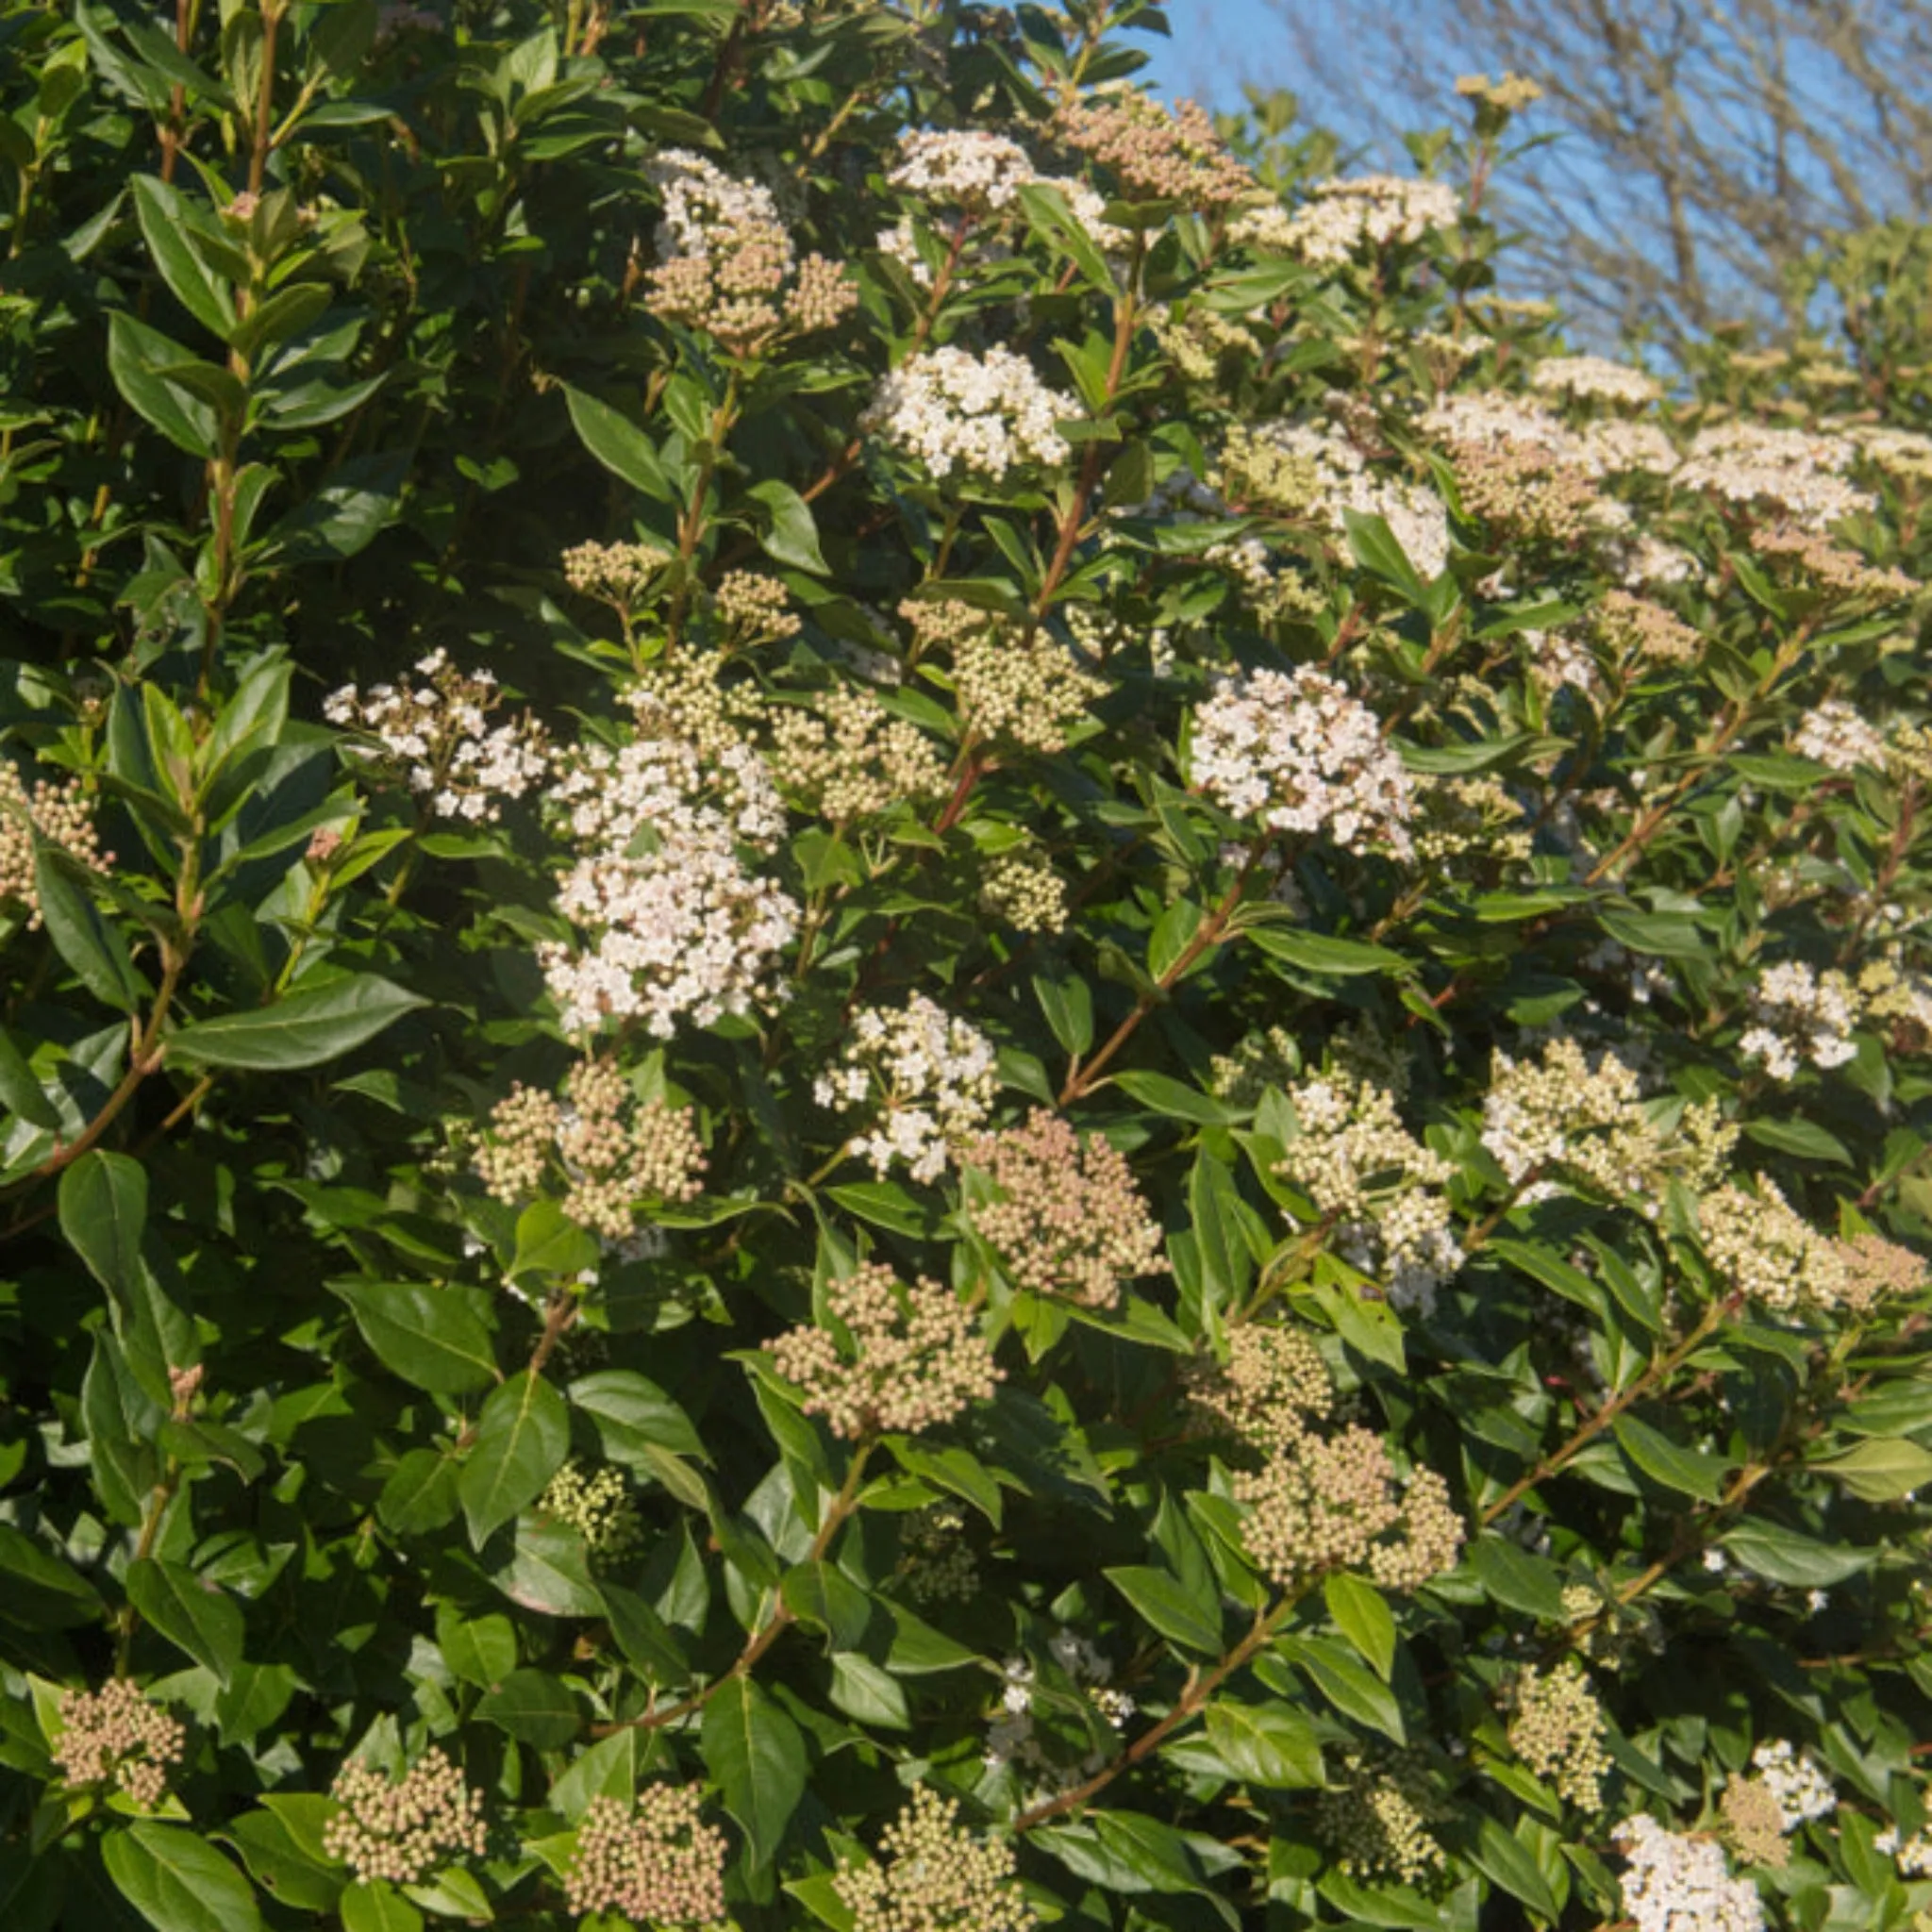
[1703, 147]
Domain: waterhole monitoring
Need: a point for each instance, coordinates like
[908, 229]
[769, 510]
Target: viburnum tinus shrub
[923, 1010]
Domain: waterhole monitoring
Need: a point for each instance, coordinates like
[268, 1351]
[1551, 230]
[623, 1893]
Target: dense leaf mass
[920, 1010]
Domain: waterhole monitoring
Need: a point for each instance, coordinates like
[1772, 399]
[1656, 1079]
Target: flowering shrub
[920, 1010]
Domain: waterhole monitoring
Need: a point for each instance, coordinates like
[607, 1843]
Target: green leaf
[534, 1708]
[523, 1436]
[551, 1245]
[821, 1596]
[885, 1203]
[286, 313]
[791, 536]
[624, 450]
[547, 1571]
[20, 1093]
[197, 1617]
[1687, 1471]
[1266, 1744]
[1784, 1555]
[1880, 1471]
[1319, 952]
[1898, 1408]
[139, 358]
[121, 1421]
[1363, 1616]
[757, 1755]
[177, 1881]
[304, 1028]
[1067, 1002]
[479, 1650]
[1669, 935]
[1353, 1690]
[868, 1692]
[1501, 1859]
[1167, 1095]
[421, 1493]
[431, 1337]
[644, 1638]
[285, 1862]
[1805, 1138]
[1050, 217]
[102, 1205]
[256, 1695]
[39, 1591]
[1516, 1578]
[946, 1466]
[83, 938]
[103, 1202]
[1191, 1618]
[1376, 547]
[345, 515]
[376, 1906]
[167, 219]
[1214, 1207]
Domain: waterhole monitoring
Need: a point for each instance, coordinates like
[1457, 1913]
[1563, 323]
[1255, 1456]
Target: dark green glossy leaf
[303, 1028]
[523, 1436]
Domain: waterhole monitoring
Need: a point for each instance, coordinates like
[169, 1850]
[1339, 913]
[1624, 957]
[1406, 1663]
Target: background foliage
[1522, 1075]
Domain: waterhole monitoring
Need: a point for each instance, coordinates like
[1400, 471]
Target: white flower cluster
[980, 174]
[1298, 754]
[1011, 1738]
[1595, 378]
[1611, 446]
[702, 202]
[1802, 1787]
[1342, 216]
[929, 1077]
[679, 926]
[1914, 1855]
[1903, 453]
[948, 409]
[1378, 1184]
[1834, 734]
[967, 166]
[437, 733]
[1797, 471]
[1677, 1884]
[1800, 1015]
[1647, 562]
[1344, 481]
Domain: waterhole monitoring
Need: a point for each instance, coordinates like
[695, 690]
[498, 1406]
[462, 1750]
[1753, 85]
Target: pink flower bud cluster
[935, 1877]
[1333, 1503]
[1068, 1218]
[1766, 1250]
[608, 1152]
[56, 812]
[1156, 153]
[656, 1860]
[118, 1732]
[1273, 1386]
[727, 265]
[896, 1357]
[401, 1830]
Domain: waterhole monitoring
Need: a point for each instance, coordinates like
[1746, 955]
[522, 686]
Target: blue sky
[1216, 45]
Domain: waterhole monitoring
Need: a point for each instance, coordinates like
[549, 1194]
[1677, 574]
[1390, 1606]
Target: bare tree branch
[1708, 148]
